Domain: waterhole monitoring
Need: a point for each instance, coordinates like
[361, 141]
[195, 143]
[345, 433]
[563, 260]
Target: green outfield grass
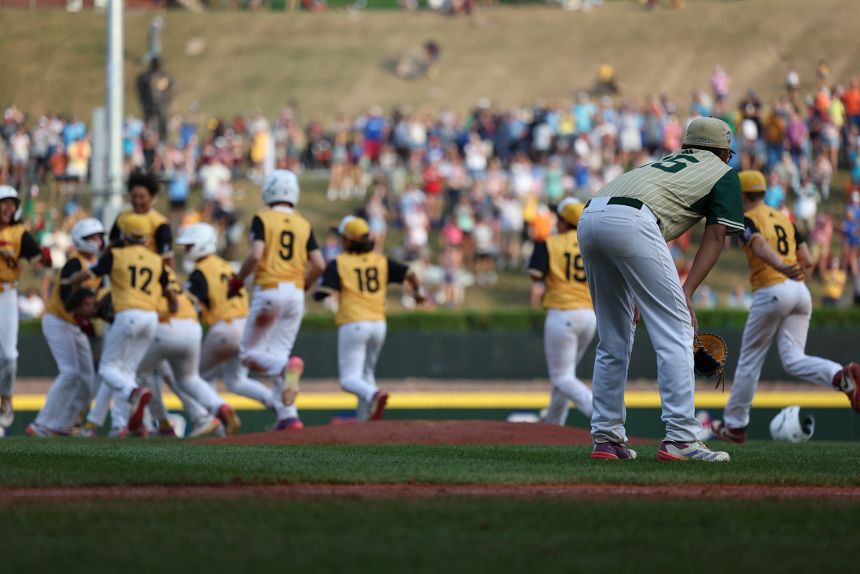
[69, 462]
[440, 535]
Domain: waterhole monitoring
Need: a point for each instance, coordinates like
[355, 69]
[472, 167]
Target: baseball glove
[709, 357]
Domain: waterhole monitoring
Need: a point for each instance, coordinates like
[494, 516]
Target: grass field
[439, 535]
[28, 462]
[444, 532]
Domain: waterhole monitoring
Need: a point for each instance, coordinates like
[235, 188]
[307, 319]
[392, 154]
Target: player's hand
[45, 258]
[791, 270]
[234, 287]
[692, 313]
[86, 326]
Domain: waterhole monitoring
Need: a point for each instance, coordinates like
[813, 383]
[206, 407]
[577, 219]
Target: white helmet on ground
[202, 238]
[87, 228]
[281, 185]
[788, 426]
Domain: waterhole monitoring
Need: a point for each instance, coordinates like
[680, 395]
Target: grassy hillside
[341, 61]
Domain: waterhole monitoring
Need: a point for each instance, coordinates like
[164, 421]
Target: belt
[628, 201]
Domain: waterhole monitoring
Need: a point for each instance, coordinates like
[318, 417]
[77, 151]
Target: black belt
[628, 201]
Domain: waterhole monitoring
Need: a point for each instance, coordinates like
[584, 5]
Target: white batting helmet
[281, 185]
[9, 192]
[87, 228]
[788, 426]
[202, 238]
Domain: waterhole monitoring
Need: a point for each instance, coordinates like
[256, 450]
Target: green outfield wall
[493, 346]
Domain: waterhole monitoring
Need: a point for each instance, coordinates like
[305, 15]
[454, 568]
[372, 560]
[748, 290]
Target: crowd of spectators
[468, 195]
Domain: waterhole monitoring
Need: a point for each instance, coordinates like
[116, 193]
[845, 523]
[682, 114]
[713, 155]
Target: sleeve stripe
[536, 273]
[730, 223]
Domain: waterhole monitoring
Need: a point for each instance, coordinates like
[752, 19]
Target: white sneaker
[670, 450]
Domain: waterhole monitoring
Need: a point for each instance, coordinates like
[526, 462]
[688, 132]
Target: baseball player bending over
[559, 284]
[15, 244]
[68, 329]
[138, 281]
[781, 309]
[223, 316]
[362, 276]
[285, 261]
[622, 234]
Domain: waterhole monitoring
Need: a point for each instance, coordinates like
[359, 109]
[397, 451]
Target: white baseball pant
[194, 409]
[270, 332]
[358, 347]
[8, 338]
[177, 342]
[627, 262]
[566, 336]
[780, 311]
[220, 353]
[125, 345]
[75, 384]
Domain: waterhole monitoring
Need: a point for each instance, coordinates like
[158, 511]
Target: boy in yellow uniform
[362, 276]
[560, 285]
[285, 261]
[142, 191]
[138, 282]
[781, 309]
[67, 329]
[15, 244]
[224, 317]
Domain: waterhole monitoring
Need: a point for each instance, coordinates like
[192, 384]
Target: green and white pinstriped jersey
[682, 188]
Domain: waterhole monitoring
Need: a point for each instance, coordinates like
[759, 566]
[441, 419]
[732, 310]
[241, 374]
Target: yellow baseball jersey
[162, 240]
[288, 240]
[137, 277]
[208, 283]
[60, 293]
[185, 308]
[834, 283]
[780, 234]
[362, 280]
[15, 244]
[559, 263]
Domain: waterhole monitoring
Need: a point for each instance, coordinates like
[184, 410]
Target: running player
[285, 261]
[15, 244]
[622, 234]
[559, 283]
[224, 317]
[781, 309]
[68, 329]
[362, 276]
[138, 281]
[177, 341]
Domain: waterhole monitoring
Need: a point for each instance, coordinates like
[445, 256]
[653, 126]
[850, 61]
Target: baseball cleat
[7, 415]
[612, 451]
[671, 450]
[292, 376]
[722, 432]
[39, 431]
[377, 405]
[848, 381]
[291, 423]
[138, 400]
[205, 426]
[231, 421]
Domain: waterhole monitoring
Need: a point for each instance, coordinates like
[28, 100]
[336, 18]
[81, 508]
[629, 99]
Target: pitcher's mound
[420, 432]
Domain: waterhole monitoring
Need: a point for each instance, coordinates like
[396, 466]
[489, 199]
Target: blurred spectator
[739, 298]
[834, 283]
